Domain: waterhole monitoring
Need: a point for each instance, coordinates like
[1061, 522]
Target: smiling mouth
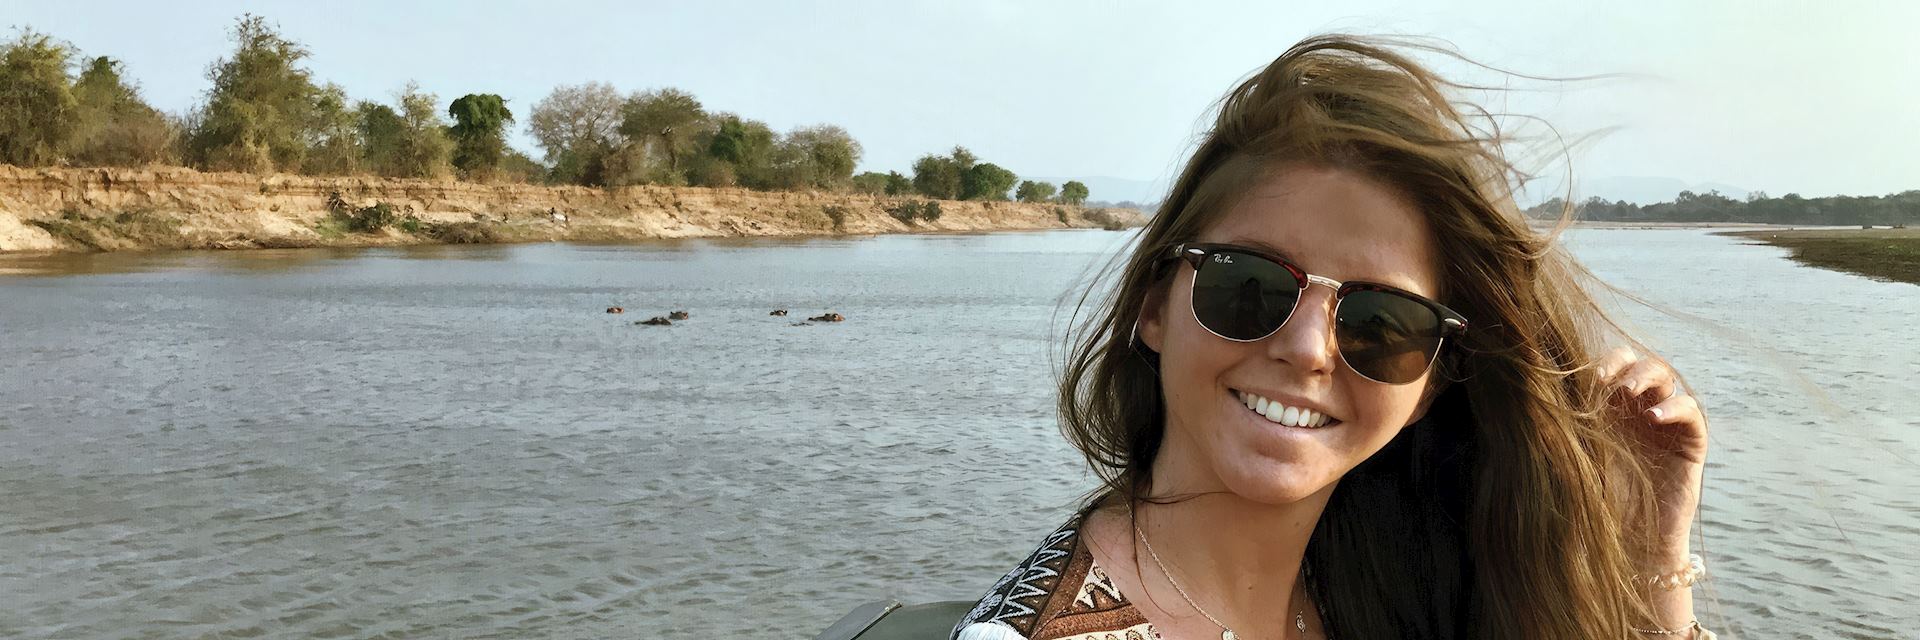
[1283, 415]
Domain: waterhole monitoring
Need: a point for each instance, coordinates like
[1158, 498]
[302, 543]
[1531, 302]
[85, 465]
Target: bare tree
[577, 126]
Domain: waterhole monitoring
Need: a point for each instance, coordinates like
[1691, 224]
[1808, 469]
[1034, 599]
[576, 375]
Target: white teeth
[1283, 414]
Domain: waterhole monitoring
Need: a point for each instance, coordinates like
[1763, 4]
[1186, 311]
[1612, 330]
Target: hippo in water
[828, 317]
[655, 321]
[779, 312]
[677, 315]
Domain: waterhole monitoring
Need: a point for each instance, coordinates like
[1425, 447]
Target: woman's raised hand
[1670, 432]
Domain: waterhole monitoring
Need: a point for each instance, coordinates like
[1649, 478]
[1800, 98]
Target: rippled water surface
[458, 442]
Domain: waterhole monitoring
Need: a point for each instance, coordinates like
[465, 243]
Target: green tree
[257, 114]
[788, 167]
[898, 185]
[872, 183]
[380, 131]
[743, 149]
[666, 122]
[116, 127]
[479, 133]
[335, 145]
[828, 155]
[963, 159]
[1073, 192]
[937, 177]
[424, 151]
[519, 167]
[38, 112]
[987, 181]
[1030, 191]
[577, 126]
[102, 87]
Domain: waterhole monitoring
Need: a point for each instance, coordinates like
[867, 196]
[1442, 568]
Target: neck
[1235, 556]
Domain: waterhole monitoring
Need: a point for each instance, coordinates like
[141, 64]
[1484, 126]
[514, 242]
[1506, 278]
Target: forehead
[1336, 224]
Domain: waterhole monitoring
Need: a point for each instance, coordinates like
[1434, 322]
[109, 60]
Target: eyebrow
[1263, 246]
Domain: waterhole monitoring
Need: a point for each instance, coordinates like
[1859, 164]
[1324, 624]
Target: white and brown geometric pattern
[1056, 593]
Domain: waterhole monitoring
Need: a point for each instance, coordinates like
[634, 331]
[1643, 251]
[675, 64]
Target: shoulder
[1057, 592]
[1014, 607]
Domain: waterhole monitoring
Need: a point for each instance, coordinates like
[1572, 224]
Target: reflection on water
[457, 442]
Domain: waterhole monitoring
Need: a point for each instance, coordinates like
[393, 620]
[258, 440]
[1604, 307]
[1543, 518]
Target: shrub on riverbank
[1106, 219]
[372, 218]
[910, 212]
[462, 233]
[836, 214]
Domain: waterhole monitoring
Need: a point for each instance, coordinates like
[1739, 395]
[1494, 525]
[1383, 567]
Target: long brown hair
[1511, 510]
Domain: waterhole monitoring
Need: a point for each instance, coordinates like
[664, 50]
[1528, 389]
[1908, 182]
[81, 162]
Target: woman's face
[1331, 223]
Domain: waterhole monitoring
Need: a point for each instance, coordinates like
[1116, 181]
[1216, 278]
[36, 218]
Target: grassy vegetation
[463, 233]
[127, 230]
[1886, 254]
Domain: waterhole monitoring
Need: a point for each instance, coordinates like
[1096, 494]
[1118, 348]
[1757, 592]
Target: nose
[1306, 340]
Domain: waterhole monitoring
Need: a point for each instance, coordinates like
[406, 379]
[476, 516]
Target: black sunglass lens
[1386, 336]
[1242, 296]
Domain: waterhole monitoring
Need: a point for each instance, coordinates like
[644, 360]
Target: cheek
[1192, 359]
[1380, 412]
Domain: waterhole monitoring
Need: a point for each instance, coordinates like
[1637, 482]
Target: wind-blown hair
[1512, 509]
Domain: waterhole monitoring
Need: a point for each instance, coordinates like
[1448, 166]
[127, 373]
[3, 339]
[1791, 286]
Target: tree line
[1894, 209]
[266, 113]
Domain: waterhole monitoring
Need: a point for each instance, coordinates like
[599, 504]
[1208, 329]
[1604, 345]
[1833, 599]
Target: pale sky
[1811, 97]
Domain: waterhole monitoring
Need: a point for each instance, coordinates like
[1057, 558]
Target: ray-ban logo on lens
[1223, 258]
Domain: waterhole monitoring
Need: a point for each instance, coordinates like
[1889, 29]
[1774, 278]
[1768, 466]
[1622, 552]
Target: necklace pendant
[1227, 634]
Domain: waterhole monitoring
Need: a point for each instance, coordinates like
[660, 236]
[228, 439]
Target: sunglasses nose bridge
[1329, 283]
[1306, 337]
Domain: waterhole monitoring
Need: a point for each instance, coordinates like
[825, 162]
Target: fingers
[1648, 378]
[1636, 378]
[1681, 408]
[1615, 362]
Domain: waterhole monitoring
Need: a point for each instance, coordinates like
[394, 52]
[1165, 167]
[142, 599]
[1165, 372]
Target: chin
[1268, 481]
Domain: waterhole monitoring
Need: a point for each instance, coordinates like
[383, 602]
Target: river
[459, 442]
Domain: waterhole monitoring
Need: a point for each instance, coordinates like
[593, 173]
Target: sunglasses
[1386, 335]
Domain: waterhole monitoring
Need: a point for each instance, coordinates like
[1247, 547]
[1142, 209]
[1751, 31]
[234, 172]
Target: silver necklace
[1226, 632]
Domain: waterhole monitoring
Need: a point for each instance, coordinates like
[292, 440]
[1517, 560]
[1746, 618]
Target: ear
[1152, 327]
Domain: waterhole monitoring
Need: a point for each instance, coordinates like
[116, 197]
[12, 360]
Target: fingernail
[1656, 413]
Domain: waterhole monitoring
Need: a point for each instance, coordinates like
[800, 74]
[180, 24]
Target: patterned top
[1057, 593]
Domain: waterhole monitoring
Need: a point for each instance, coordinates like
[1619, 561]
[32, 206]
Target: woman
[1344, 391]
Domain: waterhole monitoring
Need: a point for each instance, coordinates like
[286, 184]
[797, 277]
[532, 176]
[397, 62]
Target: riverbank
[107, 209]
[1886, 254]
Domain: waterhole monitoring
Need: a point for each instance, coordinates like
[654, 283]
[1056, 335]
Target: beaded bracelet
[1695, 571]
